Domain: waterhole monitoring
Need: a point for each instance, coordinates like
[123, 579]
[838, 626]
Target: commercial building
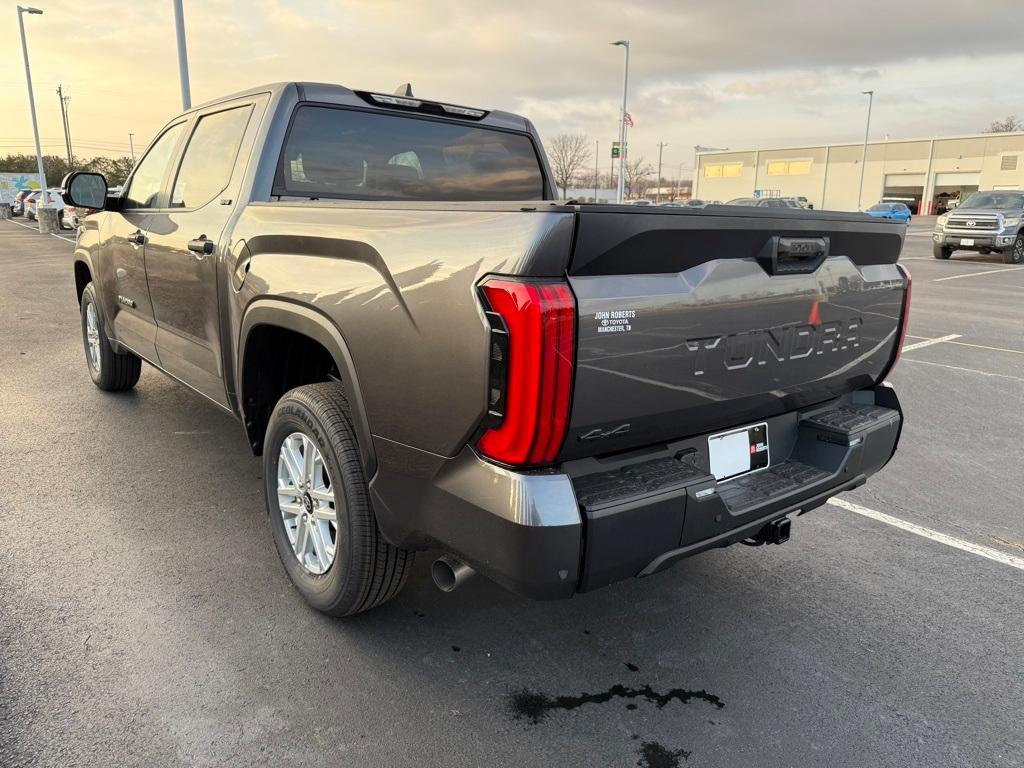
[927, 174]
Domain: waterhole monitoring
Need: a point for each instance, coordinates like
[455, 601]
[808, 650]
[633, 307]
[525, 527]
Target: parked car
[555, 395]
[641, 201]
[684, 204]
[986, 222]
[764, 202]
[797, 202]
[18, 206]
[54, 200]
[891, 211]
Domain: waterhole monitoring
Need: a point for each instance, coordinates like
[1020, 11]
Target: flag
[629, 120]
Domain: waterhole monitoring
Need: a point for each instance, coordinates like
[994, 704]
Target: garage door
[958, 179]
[904, 180]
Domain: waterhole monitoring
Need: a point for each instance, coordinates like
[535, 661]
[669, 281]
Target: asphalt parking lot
[146, 620]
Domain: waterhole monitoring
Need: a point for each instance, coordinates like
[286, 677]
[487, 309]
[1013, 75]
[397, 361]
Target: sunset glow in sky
[725, 74]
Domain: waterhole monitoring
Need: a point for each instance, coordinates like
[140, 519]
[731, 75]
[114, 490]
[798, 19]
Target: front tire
[110, 371]
[941, 251]
[318, 501]
[1015, 255]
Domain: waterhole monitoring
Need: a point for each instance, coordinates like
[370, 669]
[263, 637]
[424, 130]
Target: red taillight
[901, 337]
[540, 321]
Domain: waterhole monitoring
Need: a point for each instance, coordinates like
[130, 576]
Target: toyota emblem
[972, 223]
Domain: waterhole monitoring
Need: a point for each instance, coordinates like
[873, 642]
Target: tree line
[115, 169]
[572, 165]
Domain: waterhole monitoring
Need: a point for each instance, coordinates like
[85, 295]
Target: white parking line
[984, 346]
[36, 229]
[966, 370]
[975, 274]
[929, 342]
[26, 226]
[928, 533]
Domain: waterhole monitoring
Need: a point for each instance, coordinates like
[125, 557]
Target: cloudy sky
[728, 73]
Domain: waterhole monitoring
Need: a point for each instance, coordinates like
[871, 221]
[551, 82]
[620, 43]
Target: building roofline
[859, 143]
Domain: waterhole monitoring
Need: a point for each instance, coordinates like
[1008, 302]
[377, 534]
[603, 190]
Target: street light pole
[622, 125]
[597, 172]
[179, 25]
[32, 108]
[864, 151]
[679, 180]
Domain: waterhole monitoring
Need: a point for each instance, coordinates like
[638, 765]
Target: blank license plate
[738, 451]
[966, 242]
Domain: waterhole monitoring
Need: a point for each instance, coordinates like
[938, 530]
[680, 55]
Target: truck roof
[330, 93]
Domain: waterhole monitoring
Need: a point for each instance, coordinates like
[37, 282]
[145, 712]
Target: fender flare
[308, 321]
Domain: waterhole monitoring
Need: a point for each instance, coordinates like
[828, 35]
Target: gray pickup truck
[432, 353]
[986, 222]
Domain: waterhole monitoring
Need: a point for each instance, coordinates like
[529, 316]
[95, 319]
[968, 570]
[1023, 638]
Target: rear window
[343, 153]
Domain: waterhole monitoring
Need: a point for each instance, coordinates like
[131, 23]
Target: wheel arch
[305, 321]
[83, 276]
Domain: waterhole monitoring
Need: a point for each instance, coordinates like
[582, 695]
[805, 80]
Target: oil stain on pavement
[536, 706]
[654, 755]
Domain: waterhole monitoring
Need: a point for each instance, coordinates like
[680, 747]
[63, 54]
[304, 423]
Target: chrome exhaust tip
[449, 573]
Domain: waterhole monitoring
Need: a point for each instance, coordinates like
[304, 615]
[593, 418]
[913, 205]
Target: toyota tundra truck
[986, 222]
[430, 352]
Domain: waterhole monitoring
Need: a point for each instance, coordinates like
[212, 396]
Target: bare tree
[569, 154]
[1007, 125]
[636, 173]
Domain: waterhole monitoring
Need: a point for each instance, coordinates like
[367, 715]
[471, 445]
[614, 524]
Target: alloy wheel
[92, 336]
[305, 495]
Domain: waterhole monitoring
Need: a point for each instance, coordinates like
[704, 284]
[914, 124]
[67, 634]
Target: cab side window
[147, 181]
[210, 157]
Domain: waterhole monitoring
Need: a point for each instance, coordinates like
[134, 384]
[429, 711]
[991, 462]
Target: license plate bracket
[739, 451]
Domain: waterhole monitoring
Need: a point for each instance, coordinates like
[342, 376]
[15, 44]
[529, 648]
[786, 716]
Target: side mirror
[84, 190]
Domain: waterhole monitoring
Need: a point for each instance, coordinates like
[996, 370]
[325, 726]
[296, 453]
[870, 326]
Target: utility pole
[179, 24]
[131, 145]
[622, 125]
[597, 172]
[864, 151]
[64, 118]
[657, 195]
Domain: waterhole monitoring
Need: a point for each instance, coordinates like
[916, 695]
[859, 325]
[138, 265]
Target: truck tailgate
[693, 321]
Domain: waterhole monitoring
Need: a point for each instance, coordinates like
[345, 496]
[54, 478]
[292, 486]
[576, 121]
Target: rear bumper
[593, 522]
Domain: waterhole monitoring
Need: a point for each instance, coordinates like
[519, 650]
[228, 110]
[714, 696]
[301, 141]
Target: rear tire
[364, 570]
[941, 251]
[110, 371]
[1015, 255]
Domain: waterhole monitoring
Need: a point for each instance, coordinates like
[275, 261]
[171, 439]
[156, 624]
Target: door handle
[201, 246]
[137, 238]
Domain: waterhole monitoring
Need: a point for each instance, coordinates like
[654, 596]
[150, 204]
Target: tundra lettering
[780, 344]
